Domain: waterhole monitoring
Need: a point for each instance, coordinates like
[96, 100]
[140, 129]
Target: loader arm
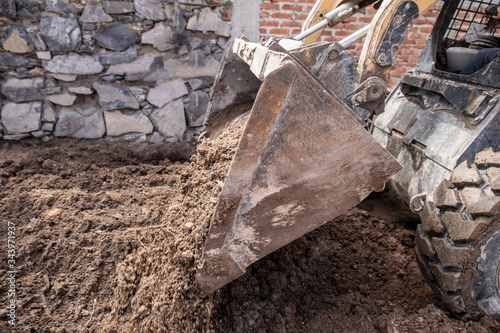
[317, 14]
[385, 37]
[387, 33]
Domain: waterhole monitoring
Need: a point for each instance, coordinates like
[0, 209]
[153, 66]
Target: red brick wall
[285, 18]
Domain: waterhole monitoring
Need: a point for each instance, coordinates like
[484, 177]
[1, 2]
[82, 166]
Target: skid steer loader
[323, 132]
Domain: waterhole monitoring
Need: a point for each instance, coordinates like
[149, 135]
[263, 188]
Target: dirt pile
[356, 273]
[99, 223]
[109, 236]
[156, 288]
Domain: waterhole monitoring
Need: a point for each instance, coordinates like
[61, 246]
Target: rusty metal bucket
[302, 160]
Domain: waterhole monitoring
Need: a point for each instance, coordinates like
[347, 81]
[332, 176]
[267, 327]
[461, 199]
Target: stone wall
[130, 70]
[138, 69]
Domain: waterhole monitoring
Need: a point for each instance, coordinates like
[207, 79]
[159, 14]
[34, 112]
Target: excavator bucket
[303, 159]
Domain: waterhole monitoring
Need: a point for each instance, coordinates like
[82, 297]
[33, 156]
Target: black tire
[458, 241]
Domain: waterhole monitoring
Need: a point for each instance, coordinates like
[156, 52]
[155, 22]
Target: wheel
[458, 240]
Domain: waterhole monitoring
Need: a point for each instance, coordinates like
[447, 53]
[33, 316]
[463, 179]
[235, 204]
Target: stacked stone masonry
[133, 70]
[138, 69]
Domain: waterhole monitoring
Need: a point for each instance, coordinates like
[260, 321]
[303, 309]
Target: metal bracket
[401, 22]
[370, 94]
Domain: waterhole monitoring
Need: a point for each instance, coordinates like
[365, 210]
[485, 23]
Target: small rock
[94, 14]
[8, 9]
[207, 20]
[73, 64]
[64, 77]
[114, 96]
[50, 91]
[83, 121]
[124, 19]
[179, 20]
[118, 7]
[63, 99]
[89, 27]
[118, 124]
[197, 108]
[170, 120]
[37, 39]
[137, 69]
[161, 37]
[17, 40]
[50, 214]
[43, 55]
[39, 134]
[116, 37]
[166, 92]
[149, 10]
[28, 10]
[192, 2]
[60, 7]
[48, 113]
[48, 127]
[112, 58]
[81, 90]
[21, 118]
[23, 90]
[201, 82]
[14, 60]
[156, 138]
[61, 34]
[16, 137]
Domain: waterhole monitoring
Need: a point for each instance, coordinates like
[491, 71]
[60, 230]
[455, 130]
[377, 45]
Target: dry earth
[109, 235]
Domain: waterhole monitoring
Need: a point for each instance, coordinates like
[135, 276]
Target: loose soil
[109, 236]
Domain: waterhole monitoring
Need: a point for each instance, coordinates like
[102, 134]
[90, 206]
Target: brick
[269, 23]
[282, 16]
[279, 31]
[297, 8]
[301, 17]
[413, 60]
[291, 24]
[425, 29]
[269, 6]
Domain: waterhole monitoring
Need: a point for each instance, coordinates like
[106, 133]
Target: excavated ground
[109, 235]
